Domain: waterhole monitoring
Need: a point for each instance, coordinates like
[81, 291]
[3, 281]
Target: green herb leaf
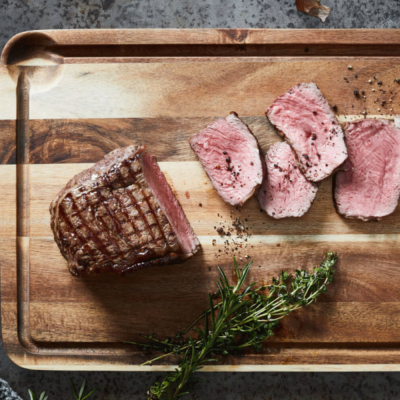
[245, 318]
[73, 390]
[90, 393]
[82, 389]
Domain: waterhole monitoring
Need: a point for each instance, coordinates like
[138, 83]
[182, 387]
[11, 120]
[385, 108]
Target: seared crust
[108, 219]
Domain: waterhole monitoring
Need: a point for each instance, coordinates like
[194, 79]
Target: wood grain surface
[94, 91]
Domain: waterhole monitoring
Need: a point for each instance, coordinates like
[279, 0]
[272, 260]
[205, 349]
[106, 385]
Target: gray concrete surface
[22, 15]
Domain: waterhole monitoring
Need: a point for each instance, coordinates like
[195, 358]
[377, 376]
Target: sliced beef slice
[285, 191]
[121, 215]
[304, 119]
[231, 158]
[368, 188]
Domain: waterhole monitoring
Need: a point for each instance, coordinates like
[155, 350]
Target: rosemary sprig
[241, 318]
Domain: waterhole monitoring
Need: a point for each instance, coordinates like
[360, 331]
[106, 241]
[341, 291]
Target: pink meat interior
[304, 118]
[285, 191]
[169, 203]
[229, 154]
[370, 185]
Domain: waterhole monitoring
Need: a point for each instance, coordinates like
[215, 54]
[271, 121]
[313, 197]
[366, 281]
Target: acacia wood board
[67, 98]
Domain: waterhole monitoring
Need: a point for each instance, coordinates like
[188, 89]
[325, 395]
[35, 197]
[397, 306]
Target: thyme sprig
[238, 319]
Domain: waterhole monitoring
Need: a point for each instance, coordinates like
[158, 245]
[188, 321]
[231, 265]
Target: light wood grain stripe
[361, 264]
[320, 323]
[192, 187]
[153, 90]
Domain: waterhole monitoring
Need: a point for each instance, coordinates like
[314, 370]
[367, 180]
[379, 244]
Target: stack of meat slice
[285, 191]
[302, 116]
[230, 155]
[369, 186]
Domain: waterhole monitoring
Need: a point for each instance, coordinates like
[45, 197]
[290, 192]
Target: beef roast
[231, 158]
[304, 119]
[285, 191]
[121, 215]
[369, 186]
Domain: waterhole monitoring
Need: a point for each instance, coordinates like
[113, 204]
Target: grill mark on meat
[99, 219]
[157, 223]
[153, 212]
[131, 219]
[99, 244]
[127, 219]
[133, 176]
[115, 223]
[71, 227]
[136, 205]
[151, 209]
[133, 200]
[123, 188]
[109, 212]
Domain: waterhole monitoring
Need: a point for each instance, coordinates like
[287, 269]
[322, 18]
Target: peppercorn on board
[70, 97]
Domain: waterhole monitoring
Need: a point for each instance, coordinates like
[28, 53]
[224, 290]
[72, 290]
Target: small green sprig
[41, 397]
[239, 319]
[79, 396]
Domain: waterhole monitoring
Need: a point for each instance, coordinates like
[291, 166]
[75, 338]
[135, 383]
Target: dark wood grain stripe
[8, 130]
[88, 140]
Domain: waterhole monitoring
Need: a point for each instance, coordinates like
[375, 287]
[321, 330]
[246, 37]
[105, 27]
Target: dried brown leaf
[313, 8]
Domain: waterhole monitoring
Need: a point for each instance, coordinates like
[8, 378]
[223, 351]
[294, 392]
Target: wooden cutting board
[67, 98]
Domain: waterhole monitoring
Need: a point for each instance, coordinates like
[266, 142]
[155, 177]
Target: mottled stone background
[22, 15]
